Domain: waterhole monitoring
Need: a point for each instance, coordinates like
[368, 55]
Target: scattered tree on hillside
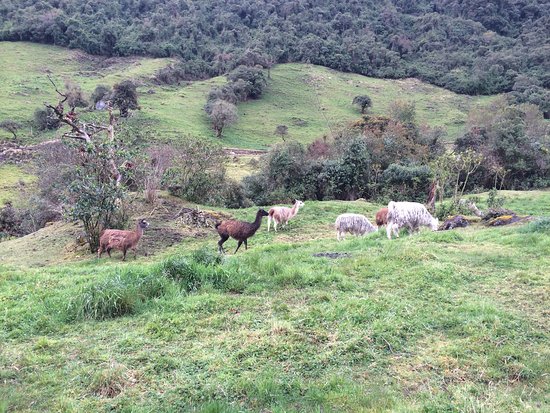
[124, 97]
[10, 126]
[252, 81]
[222, 114]
[281, 131]
[363, 101]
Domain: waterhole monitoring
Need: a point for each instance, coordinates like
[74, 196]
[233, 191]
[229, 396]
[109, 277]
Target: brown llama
[121, 239]
[282, 214]
[238, 230]
[382, 217]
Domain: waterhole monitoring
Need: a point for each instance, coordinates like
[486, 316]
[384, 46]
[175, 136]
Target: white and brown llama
[281, 215]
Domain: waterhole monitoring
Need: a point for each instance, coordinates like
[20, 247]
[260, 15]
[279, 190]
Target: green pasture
[312, 101]
[445, 321]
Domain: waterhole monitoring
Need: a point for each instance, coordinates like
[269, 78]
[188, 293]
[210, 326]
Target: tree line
[466, 46]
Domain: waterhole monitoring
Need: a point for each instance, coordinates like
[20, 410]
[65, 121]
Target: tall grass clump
[199, 270]
[117, 295]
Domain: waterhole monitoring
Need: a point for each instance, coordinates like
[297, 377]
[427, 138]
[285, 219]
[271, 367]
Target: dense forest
[466, 46]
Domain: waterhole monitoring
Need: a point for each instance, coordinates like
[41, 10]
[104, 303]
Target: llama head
[143, 224]
[434, 225]
[263, 212]
[298, 203]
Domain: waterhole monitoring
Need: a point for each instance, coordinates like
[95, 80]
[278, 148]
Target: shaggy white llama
[355, 224]
[410, 215]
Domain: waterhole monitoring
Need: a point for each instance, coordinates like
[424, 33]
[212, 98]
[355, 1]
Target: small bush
[495, 201]
[44, 119]
[445, 210]
[540, 225]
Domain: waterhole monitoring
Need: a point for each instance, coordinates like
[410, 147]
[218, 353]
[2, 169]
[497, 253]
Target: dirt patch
[332, 255]
[298, 122]
[239, 152]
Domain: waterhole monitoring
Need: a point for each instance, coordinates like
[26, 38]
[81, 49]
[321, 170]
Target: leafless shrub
[159, 159]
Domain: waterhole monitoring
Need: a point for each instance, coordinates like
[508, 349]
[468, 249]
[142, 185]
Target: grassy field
[311, 100]
[13, 180]
[445, 321]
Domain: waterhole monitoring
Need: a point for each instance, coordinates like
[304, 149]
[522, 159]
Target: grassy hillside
[446, 321]
[310, 100]
[13, 180]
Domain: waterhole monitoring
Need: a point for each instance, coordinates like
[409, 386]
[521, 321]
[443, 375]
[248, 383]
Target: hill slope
[465, 46]
[443, 321]
[310, 100]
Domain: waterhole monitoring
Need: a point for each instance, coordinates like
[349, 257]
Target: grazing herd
[409, 215]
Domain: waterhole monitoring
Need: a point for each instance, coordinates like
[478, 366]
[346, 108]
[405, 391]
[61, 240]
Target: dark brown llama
[238, 230]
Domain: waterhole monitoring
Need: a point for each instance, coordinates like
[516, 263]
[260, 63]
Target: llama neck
[294, 210]
[139, 231]
[258, 221]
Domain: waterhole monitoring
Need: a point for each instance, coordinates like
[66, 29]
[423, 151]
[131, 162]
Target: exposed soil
[332, 255]
[240, 152]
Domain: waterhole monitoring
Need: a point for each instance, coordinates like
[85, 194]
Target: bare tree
[95, 192]
[85, 131]
[10, 126]
[222, 114]
[159, 160]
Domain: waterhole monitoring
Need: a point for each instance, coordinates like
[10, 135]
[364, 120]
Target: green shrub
[495, 201]
[445, 210]
[44, 119]
[540, 225]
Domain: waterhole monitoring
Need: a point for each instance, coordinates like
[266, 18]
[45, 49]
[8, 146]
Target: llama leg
[135, 254]
[109, 252]
[238, 246]
[396, 230]
[99, 251]
[124, 255]
[388, 231]
[275, 224]
[245, 244]
[220, 243]
[268, 222]
[338, 235]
